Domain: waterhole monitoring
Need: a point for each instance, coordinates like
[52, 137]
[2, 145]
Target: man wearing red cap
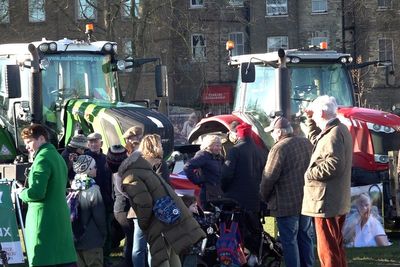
[241, 176]
[282, 189]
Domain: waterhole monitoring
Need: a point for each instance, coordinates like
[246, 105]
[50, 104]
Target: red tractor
[285, 82]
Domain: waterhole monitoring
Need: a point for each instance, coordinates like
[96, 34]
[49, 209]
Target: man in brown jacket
[282, 188]
[327, 179]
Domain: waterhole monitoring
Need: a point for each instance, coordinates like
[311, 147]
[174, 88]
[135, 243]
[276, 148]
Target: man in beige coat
[327, 179]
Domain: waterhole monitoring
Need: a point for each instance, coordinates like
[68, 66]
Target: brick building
[372, 34]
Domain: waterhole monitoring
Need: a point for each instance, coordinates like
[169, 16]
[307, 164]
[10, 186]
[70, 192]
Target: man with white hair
[327, 179]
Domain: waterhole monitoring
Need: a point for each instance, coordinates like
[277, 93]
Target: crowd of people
[299, 180]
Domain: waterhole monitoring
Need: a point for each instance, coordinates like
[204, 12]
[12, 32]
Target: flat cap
[277, 123]
[94, 136]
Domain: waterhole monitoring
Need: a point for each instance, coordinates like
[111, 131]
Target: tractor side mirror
[248, 72]
[12, 82]
[161, 80]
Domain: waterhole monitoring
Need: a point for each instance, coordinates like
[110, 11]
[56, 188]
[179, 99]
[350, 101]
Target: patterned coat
[49, 239]
[328, 177]
[144, 187]
[283, 177]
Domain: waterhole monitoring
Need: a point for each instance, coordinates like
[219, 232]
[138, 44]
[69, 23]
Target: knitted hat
[115, 155]
[84, 164]
[78, 141]
[277, 123]
[243, 130]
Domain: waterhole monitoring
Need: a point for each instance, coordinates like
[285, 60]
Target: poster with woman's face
[364, 226]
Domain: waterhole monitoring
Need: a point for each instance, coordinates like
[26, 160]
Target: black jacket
[241, 174]
[103, 179]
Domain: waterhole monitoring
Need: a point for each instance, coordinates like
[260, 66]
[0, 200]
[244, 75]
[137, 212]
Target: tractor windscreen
[78, 76]
[307, 81]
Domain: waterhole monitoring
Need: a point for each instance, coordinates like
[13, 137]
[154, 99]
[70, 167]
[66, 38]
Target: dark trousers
[127, 227]
[251, 230]
[330, 247]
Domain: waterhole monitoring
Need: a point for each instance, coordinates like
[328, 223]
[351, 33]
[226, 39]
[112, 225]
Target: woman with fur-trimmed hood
[144, 187]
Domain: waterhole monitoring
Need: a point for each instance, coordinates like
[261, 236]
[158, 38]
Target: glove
[17, 190]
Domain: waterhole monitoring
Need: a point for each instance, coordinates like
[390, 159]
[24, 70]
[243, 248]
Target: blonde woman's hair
[151, 146]
[208, 140]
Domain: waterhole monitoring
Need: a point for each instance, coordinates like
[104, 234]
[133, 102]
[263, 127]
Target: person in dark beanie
[240, 180]
[116, 154]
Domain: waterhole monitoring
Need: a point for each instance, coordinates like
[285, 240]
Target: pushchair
[267, 250]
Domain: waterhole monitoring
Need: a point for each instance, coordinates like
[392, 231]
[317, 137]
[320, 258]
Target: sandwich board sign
[9, 237]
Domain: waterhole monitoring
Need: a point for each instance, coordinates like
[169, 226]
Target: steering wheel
[307, 92]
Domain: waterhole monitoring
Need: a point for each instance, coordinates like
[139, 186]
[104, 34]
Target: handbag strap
[163, 183]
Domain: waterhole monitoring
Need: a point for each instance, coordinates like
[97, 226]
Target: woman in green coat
[48, 233]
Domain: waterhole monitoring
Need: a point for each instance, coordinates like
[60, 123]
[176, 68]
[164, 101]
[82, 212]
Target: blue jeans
[296, 236]
[139, 250]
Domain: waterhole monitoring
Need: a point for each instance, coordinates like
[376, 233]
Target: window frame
[126, 11]
[81, 13]
[204, 47]
[33, 6]
[387, 4]
[237, 45]
[234, 3]
[272, 14]
[5, 6]
[321, 39]
[195, 5]
[319, 3]
[385, 52]
[282, 37]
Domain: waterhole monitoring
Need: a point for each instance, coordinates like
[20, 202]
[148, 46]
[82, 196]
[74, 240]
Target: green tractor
[68, 86]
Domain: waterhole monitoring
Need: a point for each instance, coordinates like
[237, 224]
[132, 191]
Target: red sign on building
[217, 94]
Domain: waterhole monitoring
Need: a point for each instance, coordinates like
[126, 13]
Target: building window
[126, 9]
[37, 11]
[196, 3]
[236, 2]
[198, 46]
[319, 6]
[237, 37]
[4, 11]
[276, 42]
[385, 49]
[316, 41]
[276, 7]
[318, 37]
[86, 9]
[384, 4]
